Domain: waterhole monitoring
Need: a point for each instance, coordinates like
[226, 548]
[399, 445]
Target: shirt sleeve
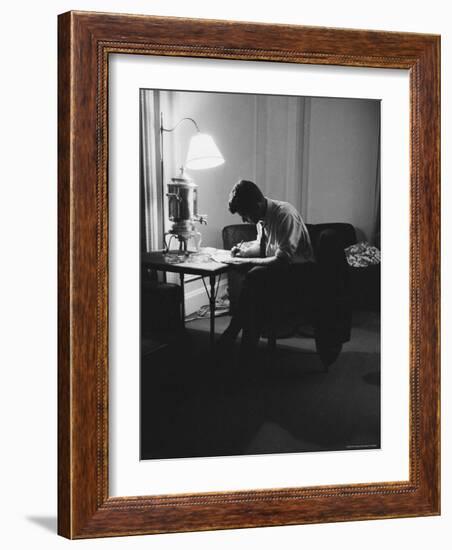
[289, 231]
[258, 232]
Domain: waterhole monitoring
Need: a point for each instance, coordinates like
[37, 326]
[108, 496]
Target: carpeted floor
[191, 406]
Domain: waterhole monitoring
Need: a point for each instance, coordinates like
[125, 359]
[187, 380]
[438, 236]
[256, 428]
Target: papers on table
[206, 258]
[224, 257]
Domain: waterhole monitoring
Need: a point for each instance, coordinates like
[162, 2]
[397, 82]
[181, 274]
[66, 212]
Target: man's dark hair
[244, 197]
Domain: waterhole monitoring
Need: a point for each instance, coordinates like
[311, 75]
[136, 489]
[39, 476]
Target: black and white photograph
[224, 236]
[260, 274]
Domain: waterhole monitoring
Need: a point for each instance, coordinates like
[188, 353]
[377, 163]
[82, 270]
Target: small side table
[158, 261]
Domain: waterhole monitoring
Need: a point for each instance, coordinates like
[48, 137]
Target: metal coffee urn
[183, 213]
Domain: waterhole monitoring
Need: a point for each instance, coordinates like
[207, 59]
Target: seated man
[282, 247]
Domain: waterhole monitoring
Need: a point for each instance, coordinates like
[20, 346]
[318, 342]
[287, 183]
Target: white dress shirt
[286, 234]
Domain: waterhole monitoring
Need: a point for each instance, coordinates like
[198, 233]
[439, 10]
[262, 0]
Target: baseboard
[197, 297]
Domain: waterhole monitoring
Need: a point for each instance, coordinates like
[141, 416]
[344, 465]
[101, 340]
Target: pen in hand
[236, 249]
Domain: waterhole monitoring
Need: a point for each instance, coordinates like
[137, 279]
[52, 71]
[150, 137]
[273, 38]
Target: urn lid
[183, 179]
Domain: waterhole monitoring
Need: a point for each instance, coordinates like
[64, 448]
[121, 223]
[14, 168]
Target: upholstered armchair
[326, 306]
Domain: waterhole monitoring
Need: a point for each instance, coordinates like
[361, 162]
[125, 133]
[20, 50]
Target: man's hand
[246, 250]
[236, 250]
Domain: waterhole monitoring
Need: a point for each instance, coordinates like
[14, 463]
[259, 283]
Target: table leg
[212, 310]
[181, 275]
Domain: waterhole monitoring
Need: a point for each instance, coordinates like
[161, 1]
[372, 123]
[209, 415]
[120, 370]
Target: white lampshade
[203, 153]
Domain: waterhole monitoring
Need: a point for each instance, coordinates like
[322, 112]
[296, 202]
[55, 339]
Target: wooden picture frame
[86, 40]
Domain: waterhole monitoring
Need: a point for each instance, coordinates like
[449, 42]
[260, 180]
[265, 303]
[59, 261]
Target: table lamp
[183, 192]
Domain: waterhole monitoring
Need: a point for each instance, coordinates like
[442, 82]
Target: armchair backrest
[345, 233]
[234, 234]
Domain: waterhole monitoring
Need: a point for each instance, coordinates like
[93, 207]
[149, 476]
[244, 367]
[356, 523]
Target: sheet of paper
[224, 257]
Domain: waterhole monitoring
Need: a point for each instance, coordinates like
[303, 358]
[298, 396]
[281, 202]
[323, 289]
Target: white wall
[28, 227]
[342, 162]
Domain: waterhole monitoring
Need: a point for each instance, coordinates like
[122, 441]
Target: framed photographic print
[248, 275]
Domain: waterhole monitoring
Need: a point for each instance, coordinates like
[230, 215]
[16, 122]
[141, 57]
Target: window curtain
[377, 197]
[151, 194]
